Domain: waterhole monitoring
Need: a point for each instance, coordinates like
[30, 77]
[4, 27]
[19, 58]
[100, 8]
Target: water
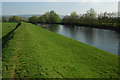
[106, 40]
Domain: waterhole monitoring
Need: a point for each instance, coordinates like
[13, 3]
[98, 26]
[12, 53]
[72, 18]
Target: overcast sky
[19, 7]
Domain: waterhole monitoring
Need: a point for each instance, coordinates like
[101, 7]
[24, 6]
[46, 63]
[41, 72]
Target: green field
[35, 52]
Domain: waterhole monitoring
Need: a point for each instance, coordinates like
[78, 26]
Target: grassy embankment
[4, 30]
[35, 52]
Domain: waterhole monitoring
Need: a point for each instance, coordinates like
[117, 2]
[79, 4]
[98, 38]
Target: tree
[46, 17]
[15, 19]
[33, 19]
[50, 17]
[65, 19]
[54, 17]
[41, 19]
[73, 14]
[73, 17]
[91, 14]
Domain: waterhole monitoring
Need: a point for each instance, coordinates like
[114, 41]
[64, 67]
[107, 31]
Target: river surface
[106, 40]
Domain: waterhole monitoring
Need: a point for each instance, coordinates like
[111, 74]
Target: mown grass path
[35, 52]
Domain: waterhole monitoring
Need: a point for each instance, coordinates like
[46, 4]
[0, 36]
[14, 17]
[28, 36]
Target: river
[106, 40]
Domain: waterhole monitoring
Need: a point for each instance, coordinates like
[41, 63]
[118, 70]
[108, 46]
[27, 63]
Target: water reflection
[103, 39]
[89, 35]
[71, 31]
[51, 27]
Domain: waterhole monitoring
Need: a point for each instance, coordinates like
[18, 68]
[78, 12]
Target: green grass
[35, 52]
[0, 49]
[0, 29]
[6, 29]
[0, 66]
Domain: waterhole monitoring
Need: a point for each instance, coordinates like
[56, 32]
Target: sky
[62, 7]
[59, 0]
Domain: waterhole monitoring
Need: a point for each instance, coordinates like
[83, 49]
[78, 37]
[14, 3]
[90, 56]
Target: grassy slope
[6, 29]
[38, 53]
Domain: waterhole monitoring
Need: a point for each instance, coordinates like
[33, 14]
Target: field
[34, 52]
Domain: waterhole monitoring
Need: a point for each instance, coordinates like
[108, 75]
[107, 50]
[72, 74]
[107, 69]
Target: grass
[6, 29]
[0, 50]
[35, 52]
[0, 67]
[0, 29]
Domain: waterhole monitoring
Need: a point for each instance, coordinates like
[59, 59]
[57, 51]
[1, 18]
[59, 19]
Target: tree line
[13, 19]
[48, 17]
[90, 18]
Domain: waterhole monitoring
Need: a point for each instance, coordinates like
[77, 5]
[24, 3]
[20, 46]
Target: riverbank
[35, 52]
[87, 35]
